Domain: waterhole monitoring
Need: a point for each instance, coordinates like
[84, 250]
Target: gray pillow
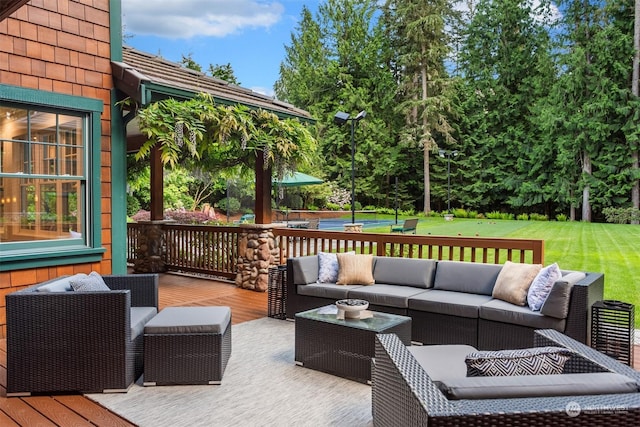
[85, 283]
[526, 361]
[557, 303]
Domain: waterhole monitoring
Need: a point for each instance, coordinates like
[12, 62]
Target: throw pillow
[355, 269]
[513, 282]
[541, 286]
[85, 283]
[328, 267]
[527, 361]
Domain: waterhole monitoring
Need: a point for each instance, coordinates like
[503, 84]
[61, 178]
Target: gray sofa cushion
[502, 311]
[305, 269]
[538, 386]
[386, 295]
[139, 317]
[404, 271]
[442, 362]
[447, 302]
[326, 290]
[57, 285]
[467, 277]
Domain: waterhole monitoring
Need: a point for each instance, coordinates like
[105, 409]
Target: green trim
[53, 252]
[50, 99]
[118, 189]
[22, 261]
[115, 26]
[153, 92]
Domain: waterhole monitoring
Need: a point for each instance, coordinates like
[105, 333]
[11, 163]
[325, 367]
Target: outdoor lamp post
[448, 154]
[341, 118]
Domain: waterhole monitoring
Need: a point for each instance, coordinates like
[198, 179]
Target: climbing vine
[223, 135]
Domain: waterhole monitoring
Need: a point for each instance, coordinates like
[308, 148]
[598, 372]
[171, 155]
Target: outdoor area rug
[261, 386]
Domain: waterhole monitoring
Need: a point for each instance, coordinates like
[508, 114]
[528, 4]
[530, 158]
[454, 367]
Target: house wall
[62, 46]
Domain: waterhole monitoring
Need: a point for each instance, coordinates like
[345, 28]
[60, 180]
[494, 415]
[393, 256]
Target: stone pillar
[355, 227]
[257, 251]
[152, 247]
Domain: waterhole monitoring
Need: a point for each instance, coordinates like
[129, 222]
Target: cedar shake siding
[61, 49]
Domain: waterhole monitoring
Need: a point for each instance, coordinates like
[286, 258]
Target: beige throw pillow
[513, 282]
[355, 269]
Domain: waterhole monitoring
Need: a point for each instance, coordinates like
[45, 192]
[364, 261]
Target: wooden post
[157, 184]
[263, 192]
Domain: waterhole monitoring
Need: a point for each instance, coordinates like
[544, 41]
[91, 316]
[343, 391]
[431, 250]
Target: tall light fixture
[448, 154]
[341, 118]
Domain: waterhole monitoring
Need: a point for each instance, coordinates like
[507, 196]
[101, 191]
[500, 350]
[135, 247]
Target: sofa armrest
[583, 294]
[586, 359]
[143, 287]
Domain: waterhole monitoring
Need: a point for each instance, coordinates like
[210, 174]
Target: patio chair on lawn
[408, 226]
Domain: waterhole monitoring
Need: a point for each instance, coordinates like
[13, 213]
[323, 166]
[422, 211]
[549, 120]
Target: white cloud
[182, 19]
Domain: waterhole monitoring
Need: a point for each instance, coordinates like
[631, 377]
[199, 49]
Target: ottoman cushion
[189, 320]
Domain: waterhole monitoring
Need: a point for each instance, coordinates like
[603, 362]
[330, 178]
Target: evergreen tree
[418, 29]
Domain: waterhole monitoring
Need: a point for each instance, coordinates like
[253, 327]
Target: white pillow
[541, 286]
[328, 267]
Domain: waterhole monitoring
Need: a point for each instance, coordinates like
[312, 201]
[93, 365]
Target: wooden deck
[175, 290]
[77, 410]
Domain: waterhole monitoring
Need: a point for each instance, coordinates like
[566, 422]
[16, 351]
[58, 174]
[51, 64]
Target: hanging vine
[223, 135]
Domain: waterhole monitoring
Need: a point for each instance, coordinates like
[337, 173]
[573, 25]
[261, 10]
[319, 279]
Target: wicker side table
[187, 345]
[612, 329]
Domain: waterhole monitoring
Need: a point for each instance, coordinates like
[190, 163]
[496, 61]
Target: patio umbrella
[297, 179]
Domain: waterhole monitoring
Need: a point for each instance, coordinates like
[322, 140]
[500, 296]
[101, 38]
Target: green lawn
[612, 249]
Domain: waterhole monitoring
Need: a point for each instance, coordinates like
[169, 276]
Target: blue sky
[248, 34]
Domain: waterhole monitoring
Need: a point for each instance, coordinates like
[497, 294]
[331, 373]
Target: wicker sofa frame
[436, 328]
[76, 341]
[403, 394]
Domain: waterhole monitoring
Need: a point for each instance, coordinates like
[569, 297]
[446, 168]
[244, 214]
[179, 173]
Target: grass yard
[612, 249]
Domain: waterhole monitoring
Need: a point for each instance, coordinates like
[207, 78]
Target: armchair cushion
[87, 283]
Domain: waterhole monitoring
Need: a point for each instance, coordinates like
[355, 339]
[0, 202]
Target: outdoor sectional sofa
[61, 340]
[450, 302]
[592, 389]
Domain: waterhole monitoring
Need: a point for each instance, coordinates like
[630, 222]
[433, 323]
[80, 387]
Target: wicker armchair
[403, 394]
[76, 341]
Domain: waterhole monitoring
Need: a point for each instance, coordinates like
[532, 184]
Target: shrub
[493, 215]
[523, 217]
[621, 215]
[229, 205]
[538, 217]
[460, 213]
[561, 217]
[133, 205]
[333, 206]
[506, 216]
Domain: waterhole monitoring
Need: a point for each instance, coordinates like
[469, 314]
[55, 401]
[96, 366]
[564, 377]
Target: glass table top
[378, 322]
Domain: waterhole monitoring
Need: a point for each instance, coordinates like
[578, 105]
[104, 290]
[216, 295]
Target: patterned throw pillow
[541, 286]
[527, 361]
[327, 267]
[91, 282]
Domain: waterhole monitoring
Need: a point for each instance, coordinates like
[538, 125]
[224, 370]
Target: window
[49, 199]
[43, 188]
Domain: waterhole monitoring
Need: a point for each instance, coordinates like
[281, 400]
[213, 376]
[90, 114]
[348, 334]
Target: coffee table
[343, 347]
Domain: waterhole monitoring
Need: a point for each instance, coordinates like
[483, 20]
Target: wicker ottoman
[187, 345]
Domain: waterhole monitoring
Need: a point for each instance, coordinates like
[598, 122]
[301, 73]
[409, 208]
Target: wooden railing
[194, 248]
[300, 242]
[214, 249]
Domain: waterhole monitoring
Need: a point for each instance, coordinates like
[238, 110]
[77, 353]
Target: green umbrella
[297, 179]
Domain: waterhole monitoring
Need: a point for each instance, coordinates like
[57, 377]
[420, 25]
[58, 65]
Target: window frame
[40, 253]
